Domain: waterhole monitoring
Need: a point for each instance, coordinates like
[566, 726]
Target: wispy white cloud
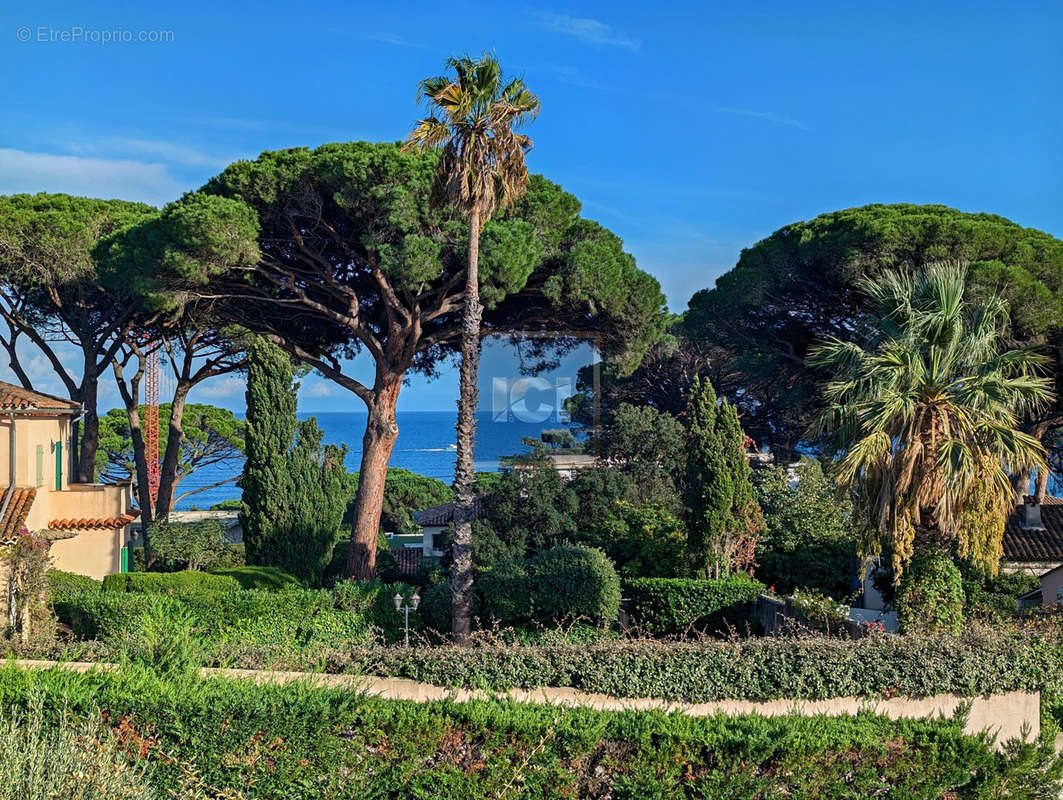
[769, 116]
[387, 37]
[221, 388]
[25, 171]
[585, 29]
[170, 152]
[320, 388]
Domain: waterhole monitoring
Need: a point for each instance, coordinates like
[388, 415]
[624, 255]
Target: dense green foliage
[306, 744]
[721, 511]
[259, 577]
[255, 622]
[606, 507]
[807, 542]
[742, 669]
[994, 598]
[211, 437]
[190, 545]
[930, 597]
[294, 488]
[644, 435]
[189, 583]
[798, 286]
[571, 582]
[673, 606]
[63, 585]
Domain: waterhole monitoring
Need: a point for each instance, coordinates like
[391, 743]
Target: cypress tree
[294, 487]
[722, 515]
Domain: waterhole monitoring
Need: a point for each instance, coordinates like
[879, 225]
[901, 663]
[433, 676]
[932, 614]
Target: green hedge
[64, 585]
[187, 582]
[570, 582]
[259, 742]
[259, 577]
[750, 669]
[676, 606]
[293, 618]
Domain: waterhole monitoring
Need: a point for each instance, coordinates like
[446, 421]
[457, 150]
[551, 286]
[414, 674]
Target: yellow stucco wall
[90, 552]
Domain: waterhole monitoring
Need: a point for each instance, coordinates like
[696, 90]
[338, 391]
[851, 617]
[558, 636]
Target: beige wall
[1050, 584]
[33, 433]
[92, 553]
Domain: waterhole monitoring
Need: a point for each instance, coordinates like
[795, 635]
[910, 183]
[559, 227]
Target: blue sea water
[425, 445]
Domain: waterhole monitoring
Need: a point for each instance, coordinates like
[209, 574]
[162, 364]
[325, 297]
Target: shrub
[506, 591]
[41, 758]
[189, 545]
[172, 583]
[569, 582]
[259, 577]
[995, 598]
[745, 669]
[435, 607]
[930, 597]
[64, 585]
[259, 742]
[674, 606]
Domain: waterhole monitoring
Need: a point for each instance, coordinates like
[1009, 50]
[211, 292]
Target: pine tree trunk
[171, 458]
[381, 431]
[85, 448]
[461, 572]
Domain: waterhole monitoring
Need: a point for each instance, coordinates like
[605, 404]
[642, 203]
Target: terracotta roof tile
[444, 514]
[16, 398]
[15, 515]
[1025, 546]
[408, 560]
[94, 523]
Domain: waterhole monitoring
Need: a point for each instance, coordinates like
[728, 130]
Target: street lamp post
[405, 608]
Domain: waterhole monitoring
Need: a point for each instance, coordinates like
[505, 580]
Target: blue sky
[690, 129]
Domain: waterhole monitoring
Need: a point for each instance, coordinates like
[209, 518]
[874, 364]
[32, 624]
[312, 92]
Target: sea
[425, 445]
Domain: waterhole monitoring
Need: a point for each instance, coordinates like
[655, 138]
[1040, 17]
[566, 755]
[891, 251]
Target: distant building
[567, 464]
[434, 522]
[1033, 537]
[89, 523]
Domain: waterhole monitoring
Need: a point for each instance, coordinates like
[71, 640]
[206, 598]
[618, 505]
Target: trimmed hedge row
[677, 606]
[258, 742]
[753, 669]
[564, 583]
[64, 585]
[187, 582]
[294, 618]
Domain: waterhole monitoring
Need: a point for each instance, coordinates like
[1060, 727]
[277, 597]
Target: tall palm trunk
[461, 575]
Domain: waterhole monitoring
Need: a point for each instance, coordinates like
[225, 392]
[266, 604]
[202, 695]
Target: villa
[87, 523]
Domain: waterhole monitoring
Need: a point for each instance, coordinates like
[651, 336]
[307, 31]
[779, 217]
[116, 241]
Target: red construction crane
[151, 399]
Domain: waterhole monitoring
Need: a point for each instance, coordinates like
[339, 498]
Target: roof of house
[15, 513]
[1035, 546]
[443, 514]
[94, 524]
[15, 398]
[408, 560]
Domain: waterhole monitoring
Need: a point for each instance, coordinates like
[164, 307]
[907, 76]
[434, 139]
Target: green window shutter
[40, 465]
[59, 466]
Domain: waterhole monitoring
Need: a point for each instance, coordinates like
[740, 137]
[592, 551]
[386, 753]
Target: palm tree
[472, 116]
[926, 416]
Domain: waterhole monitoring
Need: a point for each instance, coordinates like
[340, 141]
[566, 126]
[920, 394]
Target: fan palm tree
[927, 416]
[472, 116]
